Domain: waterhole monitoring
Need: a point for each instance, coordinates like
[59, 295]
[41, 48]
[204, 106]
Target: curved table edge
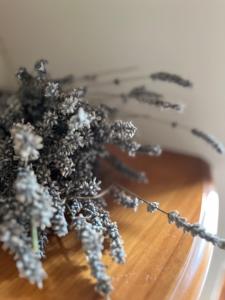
[192, 278]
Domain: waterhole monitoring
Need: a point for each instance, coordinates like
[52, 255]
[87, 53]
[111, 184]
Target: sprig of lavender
[195, 229]
[92, 244]
[116, 243]
[58, 220]
[127, 200]
[216, 144]
[14, 239]
[209, 139]
[164, 76]
[141, 94]
[175, 218]
[33, 199]
[126, 170]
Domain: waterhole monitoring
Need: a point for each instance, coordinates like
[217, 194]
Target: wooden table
[162, 261]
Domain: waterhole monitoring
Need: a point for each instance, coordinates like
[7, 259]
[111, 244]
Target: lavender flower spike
[92, 245]
[211, 140]
[165, 76]
[195, 229]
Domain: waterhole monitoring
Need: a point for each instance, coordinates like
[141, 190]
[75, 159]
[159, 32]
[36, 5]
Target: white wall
[185, 37]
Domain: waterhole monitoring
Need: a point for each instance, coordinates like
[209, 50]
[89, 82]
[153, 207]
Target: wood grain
[222, 290]
[162, 261]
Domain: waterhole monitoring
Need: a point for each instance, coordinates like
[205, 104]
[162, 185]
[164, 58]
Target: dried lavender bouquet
[51, 144]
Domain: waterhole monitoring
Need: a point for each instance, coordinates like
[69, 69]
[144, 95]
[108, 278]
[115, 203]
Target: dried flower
[58, 220]
[80, 120]
[150, 150]
[211, 140]
[26, 143]
[116, 243]
[40, 67]
[69, 105]
[152, 206]
[14, 238]
[127, 171]
[122, 131]
[92, 244]
[126, 200]
[164, 76]
[52, 90]
[141, 94]
[33, 198]
[23, 75]
[195, 229]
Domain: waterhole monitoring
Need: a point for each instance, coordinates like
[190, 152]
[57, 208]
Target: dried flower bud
[122, 131]
[131, 147]
[92, 245]
[116, 244]
[69, 105]
[33, 198]
[80, 120]
[23, 75]
[52, 90]
[150, 150]
[58, 221]
[152, 206]
[26, 143]
[126, 170]
[126, 200]
[40, 66]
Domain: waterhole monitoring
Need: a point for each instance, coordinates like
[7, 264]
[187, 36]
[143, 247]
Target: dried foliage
[51, 143]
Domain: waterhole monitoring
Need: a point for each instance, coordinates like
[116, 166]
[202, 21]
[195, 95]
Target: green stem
[35, 244]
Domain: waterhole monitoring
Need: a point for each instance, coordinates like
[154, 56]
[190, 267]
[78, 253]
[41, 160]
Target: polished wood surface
[162, 261]
[222, 291]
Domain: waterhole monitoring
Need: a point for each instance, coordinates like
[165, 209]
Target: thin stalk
[108, 190]
[118, 81]
[92, 77]
[102, 194]
[174, 217]
[35, 244]
[159, 120]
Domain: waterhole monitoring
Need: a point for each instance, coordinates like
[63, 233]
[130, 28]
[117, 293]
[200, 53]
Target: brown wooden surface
[162, 262]
[222, 291]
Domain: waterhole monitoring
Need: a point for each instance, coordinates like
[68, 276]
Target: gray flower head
[81, 120]
[122, 131]
[40, 66]
[126, 200]
[49, 120]
[52, 90]
[92, 244]
[152, 206]
[69, 105]
[26, 142]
